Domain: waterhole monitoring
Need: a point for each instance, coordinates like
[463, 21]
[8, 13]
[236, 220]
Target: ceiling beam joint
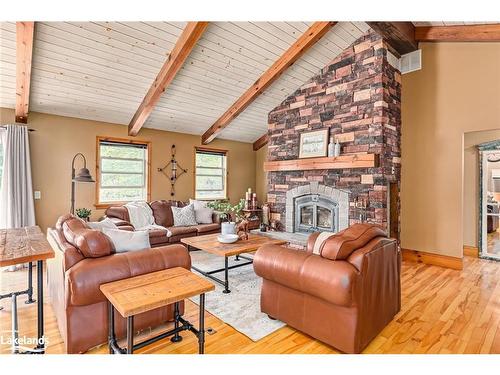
[400, 36]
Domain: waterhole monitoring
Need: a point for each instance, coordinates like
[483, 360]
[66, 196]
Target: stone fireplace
[314, 207]
[357, 97]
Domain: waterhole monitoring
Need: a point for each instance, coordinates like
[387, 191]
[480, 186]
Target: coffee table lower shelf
[180, 324]
[227, 267]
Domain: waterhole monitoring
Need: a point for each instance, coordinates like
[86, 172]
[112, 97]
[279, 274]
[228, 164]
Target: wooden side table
[147, 292]
[26, 245]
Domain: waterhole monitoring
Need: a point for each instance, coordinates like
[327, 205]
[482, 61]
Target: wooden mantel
[340, 162]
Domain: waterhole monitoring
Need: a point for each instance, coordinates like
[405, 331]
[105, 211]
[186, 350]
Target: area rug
[240, 308]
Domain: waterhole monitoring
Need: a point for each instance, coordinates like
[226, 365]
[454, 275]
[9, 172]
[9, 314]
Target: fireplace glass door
[314, 213]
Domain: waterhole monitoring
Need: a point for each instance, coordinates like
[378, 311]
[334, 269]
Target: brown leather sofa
[85, 259]
[343, 290]
[162, 213]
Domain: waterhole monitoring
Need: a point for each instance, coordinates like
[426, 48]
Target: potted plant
[83, 213]
[227, 213]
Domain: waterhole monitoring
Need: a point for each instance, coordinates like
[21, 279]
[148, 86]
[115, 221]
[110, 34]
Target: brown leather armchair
[343, 290]
[85, 259]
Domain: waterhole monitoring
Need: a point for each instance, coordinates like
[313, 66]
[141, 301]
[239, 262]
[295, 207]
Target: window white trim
[145, 181]
[218, 173]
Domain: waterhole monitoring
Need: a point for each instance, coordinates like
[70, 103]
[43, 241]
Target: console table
[26, 245]
[150, 291]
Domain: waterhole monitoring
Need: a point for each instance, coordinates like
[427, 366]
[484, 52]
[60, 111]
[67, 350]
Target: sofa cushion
[204, 228]
[162, 213]
[90, 243]
[341, 245]
[184, 216]
[155, 233]
[176, 231]
[93, 243]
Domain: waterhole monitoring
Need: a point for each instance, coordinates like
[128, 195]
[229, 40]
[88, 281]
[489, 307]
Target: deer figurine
[242, 230]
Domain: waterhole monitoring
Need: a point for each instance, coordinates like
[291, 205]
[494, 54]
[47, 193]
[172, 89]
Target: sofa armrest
[121, 224]
[84, 279]
[69, 254]
[332, 281]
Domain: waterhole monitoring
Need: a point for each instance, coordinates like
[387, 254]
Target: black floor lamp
[83, 175]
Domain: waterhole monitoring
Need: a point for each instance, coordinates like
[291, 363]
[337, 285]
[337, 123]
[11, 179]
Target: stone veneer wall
[358, 97]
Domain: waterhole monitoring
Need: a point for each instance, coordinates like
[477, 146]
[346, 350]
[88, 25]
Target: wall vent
[410, 62]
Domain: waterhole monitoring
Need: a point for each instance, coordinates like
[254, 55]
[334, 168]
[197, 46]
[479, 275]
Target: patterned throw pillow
[184, 216]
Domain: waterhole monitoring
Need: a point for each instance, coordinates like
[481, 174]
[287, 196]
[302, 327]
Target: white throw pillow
[198, 205]
[184, 216]
[204, 215]
[125, 240]
[100, 225]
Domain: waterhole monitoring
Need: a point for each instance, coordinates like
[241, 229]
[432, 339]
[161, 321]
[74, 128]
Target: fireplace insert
[315, 213]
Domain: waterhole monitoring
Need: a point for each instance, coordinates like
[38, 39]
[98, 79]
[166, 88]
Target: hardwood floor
[443, 311]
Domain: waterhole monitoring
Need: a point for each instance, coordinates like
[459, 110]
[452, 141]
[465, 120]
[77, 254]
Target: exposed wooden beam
[292, 54]
[399, 35]
[261, 142]
[24, 54]
[467, 33]
[186, 42]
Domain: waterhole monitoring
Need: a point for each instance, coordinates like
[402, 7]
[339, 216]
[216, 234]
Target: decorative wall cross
[172, 170]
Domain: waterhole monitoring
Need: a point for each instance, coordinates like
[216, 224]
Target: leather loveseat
[85, 259]
[343, 290]
[162, 213]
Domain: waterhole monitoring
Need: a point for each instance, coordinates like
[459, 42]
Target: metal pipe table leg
[15, 334]
[130, 335]
[41, 342]
[30, 284]
[111, 328]
[226, 276]
[176, 337]
[201, 333]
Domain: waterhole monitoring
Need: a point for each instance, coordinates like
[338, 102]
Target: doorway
[489, 200]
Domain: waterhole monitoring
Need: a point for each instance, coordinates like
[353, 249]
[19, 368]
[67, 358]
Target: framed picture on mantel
[313, 144]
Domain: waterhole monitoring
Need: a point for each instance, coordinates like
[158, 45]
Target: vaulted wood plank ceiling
[103, 70]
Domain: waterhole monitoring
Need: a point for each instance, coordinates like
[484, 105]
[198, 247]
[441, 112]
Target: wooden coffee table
[210, 244]
[150, 291]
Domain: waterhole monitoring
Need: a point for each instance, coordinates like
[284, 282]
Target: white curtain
[17, 208]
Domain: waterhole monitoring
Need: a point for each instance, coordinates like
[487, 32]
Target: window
[211, 175]
[123, 170]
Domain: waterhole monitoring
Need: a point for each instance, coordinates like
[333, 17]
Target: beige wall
[457, 91]
[260, 175]
[471, 183]
[57, 139]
